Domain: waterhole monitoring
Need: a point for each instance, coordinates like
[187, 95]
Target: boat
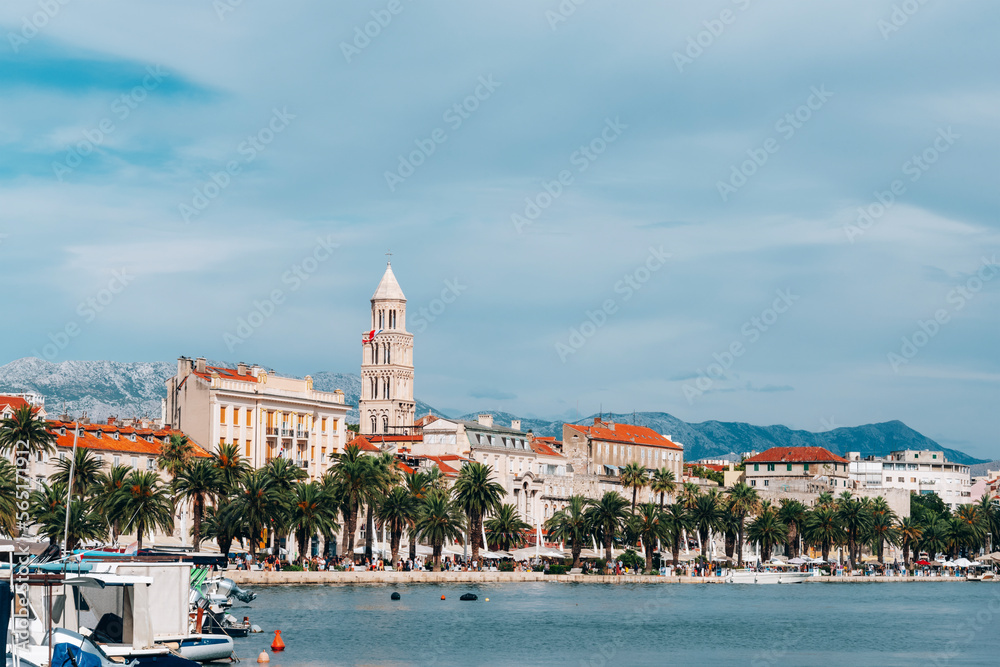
[985, 576]
[751, 576]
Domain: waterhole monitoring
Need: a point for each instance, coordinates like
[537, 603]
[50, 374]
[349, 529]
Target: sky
[774, 212]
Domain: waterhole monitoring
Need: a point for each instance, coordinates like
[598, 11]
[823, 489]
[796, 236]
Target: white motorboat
[750, 576]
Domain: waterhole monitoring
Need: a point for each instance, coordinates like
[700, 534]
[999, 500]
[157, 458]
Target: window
[766, 482]
[236, 417]
[135, 462]
[805, 467]
[770, 467]
[323, 423]
[150, 464]
[913, 480]
[753, 482]
[900, 479]
[249, 447]
[222, 414]
[756, 467]
[788, 467]
[312, 452]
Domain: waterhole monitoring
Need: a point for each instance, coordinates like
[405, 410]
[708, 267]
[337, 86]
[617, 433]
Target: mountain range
[125, 389]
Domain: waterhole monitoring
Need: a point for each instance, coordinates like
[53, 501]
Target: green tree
[793, 514]
[24, 434]
[284, 475]
[633, 476]
[418, 484]
[767, 530]
[143, 504]
[505, 531]
[8, 498]
[663, 482]
[84, 523]
[222, 525]
[175, 454]
[86, 472]
[398, 511]
[232, 466]
[910, 533]
[883, 529]
[649, 526]
[706, 515]
[351, 474]
[106, 494]
[478, 495]
[257, 506]
[440, 519]
[823, 529]
[607, 518]
[571, 526]
[383, 474]
[856, 521]
[677, 521]
[312, 513]
[197, 482]
[936, 537]
[971, 527]
[744, 500]
[689, 494]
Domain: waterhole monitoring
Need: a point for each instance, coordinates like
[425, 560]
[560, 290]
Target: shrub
[632, 560]
[557, 569]
[506, 566]
[292, 568]
[602, 565]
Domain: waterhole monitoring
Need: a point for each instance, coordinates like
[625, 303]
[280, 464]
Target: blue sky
[621, 199]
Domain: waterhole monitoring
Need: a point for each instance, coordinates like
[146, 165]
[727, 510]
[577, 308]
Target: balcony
[272, 432]
[286, 433]
[302, 435]
[302, 464]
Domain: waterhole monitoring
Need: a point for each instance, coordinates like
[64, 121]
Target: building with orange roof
[603, 448]
[265, 415]
[11, 402]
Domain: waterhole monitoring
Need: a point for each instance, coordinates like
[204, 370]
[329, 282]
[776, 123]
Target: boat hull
[751, 577]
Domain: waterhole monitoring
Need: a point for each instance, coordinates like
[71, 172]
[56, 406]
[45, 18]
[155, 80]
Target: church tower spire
[386, 405]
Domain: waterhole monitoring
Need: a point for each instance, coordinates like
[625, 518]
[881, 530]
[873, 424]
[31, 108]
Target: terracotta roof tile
[89, 440]
[626, 434]
[796, 455]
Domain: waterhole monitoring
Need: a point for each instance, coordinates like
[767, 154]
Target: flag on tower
[368, 337]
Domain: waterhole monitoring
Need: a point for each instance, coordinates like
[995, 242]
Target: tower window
[374, 424]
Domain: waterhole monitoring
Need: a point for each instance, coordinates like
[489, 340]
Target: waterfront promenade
[264, 578]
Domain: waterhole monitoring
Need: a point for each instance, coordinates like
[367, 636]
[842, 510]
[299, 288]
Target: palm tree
[571, 525]
[418, 485]
[143, 504]
[84, 523]
[505, 531]
[767, 531]
[936, 537]
[106, 494]
[8, 498]
[257, 506]
[648, 525]
[856, 520]
[383, 474]
[706, 515]
[175, 454]
[350, 471]
[198, 481]
[220, 524]
[663, 482]
[793, 514]
[24, 434]
[440, 519]
[311, 513]
[284, 476]
[633, 476]
[398, 511]
[825, 499]
[910, 533]
[232, 467]
[971, 526]
[823, 528]
[883, 529]
[676, 522]
[478, 496]
[607, 518]
[86, 472]
[744, 500]
[689, 493]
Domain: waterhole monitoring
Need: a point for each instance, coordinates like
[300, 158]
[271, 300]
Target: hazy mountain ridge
[104, 388]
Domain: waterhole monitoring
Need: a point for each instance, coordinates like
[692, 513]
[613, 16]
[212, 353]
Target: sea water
[940, 623]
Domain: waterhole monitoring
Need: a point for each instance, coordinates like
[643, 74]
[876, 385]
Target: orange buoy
[263, 657]
[277, 644]
[442, 597]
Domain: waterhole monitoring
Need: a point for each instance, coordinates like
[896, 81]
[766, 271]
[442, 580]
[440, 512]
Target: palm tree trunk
[608, 553]
[369, 529]
[413, 545]
[635, 490]
[199, 509]
[576, 553]
[650, 545]
[394, 542]
[661, 499]
[437, 557]
[739, 544]
[676, 549]
[350, 532]
[476, 528]
[138, 536]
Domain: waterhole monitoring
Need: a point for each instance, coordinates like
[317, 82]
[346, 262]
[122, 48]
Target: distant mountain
[714, 439]
[104, 388]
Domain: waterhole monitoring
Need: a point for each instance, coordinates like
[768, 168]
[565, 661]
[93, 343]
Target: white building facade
[920, 472]
[266, 416]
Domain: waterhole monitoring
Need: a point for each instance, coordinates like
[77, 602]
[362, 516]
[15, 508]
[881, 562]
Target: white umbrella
[962, 562]
[798, 561]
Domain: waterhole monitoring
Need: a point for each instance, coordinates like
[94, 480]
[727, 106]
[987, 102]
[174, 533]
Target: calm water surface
[593, 624]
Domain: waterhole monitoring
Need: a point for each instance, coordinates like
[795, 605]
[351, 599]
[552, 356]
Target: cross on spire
[388, 253]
